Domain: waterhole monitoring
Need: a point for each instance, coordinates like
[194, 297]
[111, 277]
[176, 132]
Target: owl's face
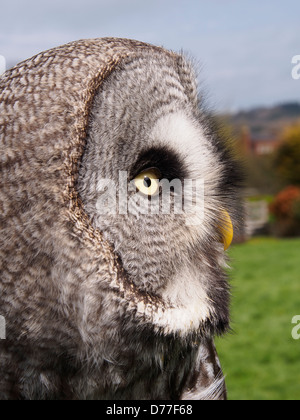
[147, 131]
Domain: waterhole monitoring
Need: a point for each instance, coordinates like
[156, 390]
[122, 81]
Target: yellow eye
[147, 182]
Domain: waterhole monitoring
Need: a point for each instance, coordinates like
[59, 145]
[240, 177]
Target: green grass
[267, 198]
[260, 359]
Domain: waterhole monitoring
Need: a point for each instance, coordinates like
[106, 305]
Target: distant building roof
[264, 147]
[259, 146]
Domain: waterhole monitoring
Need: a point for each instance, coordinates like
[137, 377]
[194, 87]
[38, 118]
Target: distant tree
[286, 212]
[261, 175]
[287, 160]
[284, 204]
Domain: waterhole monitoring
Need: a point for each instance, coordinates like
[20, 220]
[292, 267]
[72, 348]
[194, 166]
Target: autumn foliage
[286, 211]
[284, 203]
[287, 160]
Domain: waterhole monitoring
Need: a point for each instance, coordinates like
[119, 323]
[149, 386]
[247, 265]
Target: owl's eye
[147, 182]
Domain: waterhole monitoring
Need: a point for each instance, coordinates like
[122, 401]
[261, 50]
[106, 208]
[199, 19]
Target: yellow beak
[226, 230]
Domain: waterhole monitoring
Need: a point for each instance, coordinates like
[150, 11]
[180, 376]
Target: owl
[118, 200]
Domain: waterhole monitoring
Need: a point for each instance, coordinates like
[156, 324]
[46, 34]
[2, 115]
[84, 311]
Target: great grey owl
[103, 297]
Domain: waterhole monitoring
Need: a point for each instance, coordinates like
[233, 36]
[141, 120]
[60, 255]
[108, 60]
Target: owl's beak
[226, 230]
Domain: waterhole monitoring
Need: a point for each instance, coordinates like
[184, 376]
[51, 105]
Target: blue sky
[244, 48]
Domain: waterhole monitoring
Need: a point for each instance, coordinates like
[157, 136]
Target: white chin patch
[187, 305]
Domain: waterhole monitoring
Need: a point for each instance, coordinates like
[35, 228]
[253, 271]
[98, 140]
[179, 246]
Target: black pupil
[147, 182]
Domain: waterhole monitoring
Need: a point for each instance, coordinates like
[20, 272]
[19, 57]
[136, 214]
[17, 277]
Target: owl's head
[160, 184]
[118, 197]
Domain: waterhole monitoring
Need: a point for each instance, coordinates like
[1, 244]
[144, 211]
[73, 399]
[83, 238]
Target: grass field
[260, 358]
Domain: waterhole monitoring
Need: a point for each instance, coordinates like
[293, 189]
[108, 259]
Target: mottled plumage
[100, 305]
